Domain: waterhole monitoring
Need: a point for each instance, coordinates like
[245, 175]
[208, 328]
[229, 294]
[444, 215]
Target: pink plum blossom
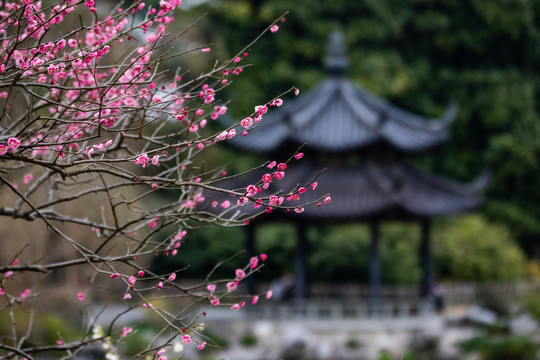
[25, 294]
[13, 144]
[225, 204]
[231, 286]
[27, 178]
[186, 339]
[240, 274]
[247, 122]
[125, 331]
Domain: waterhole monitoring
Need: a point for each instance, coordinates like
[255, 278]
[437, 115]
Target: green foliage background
[418, 54]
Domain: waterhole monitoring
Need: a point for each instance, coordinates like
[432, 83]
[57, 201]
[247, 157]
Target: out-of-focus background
[418, 55]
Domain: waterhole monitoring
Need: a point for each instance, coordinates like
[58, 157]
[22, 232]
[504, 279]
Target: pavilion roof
[339, 116]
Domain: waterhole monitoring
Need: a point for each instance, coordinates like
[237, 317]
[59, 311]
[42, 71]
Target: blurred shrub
[471, 248]
[532, 304]
[217, 341]
[342, 253]
[248, 340]
[511, 347]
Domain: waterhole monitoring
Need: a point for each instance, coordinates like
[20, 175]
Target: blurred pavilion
[363, 142]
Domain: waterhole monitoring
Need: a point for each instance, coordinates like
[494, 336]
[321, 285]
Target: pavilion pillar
[425, 258]
[374, 263]
[300, 262]
[250, 251]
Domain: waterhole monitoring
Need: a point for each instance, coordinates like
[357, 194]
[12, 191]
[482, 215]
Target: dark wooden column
[300, 262]
[374, 263]
[250, 250]
[425, 257]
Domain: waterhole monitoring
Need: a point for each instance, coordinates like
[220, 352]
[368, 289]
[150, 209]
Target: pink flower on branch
[240, 274]
[253, 262]
[13, 144]
[186, 339]
[25, 294]
[231, 286]
[125, 331]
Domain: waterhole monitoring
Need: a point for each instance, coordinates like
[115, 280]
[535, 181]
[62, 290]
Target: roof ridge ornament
[336, 60]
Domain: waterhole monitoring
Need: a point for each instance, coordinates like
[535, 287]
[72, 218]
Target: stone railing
[335, 309]
[454, 293]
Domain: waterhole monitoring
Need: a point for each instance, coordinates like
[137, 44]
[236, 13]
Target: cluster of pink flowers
[12, 145]
[145, 161]
[232, 286]
[273, 201]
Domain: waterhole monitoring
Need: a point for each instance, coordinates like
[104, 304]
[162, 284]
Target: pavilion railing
[454, 293]
[335, 310]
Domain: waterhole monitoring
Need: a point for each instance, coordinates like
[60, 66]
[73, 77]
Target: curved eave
[337, 116]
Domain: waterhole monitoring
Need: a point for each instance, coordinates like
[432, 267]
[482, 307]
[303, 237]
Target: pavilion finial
[336, 60]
